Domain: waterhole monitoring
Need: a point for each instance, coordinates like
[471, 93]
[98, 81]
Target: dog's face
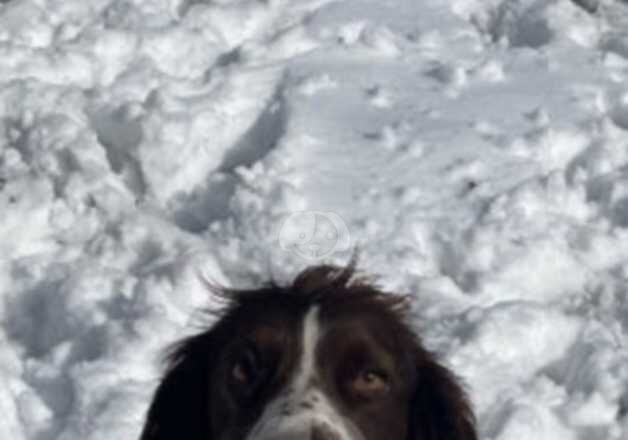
[311, 371]
[324, 359]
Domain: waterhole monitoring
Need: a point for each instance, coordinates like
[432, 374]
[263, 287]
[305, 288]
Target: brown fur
[194, 401]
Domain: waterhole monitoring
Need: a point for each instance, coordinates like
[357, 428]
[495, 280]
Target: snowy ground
[476, 151]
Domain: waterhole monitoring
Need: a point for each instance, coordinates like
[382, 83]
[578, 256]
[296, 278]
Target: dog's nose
[321, 432]
[315, 432]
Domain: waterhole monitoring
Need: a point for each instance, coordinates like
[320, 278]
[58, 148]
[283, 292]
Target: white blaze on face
[303, 405]
[307, 367]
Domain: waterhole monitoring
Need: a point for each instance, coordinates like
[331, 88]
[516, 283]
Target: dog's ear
[180, 406]
[440, 409]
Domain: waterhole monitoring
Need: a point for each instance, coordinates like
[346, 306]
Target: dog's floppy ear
[440, 409]
[180, 406]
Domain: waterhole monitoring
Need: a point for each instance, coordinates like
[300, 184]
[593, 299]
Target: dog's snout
[321, 432]
[316, 432]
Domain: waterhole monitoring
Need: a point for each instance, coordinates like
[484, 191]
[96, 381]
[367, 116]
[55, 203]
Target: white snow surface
[476, 151]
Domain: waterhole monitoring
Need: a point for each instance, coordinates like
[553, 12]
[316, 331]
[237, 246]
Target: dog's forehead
[372, 320]
[283, 319]
[265, 315]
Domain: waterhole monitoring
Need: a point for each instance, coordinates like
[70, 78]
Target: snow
[475, 151]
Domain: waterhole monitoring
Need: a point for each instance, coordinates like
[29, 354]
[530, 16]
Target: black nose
[321, 432]
[315, 432]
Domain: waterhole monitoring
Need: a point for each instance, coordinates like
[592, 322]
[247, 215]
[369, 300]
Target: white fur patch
[307, 366]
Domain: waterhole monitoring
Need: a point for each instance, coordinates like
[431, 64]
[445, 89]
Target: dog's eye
[248, 373]
[370, 384]
[245, 368]
[240, 373]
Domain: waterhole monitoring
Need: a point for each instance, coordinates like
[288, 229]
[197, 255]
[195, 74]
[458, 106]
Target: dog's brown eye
[244, 369]
[370, 384]
[240, 373]
[248, 373]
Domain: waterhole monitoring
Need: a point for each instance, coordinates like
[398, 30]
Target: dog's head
[327, 358]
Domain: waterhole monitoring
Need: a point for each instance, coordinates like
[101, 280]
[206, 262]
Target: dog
[329, 357]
